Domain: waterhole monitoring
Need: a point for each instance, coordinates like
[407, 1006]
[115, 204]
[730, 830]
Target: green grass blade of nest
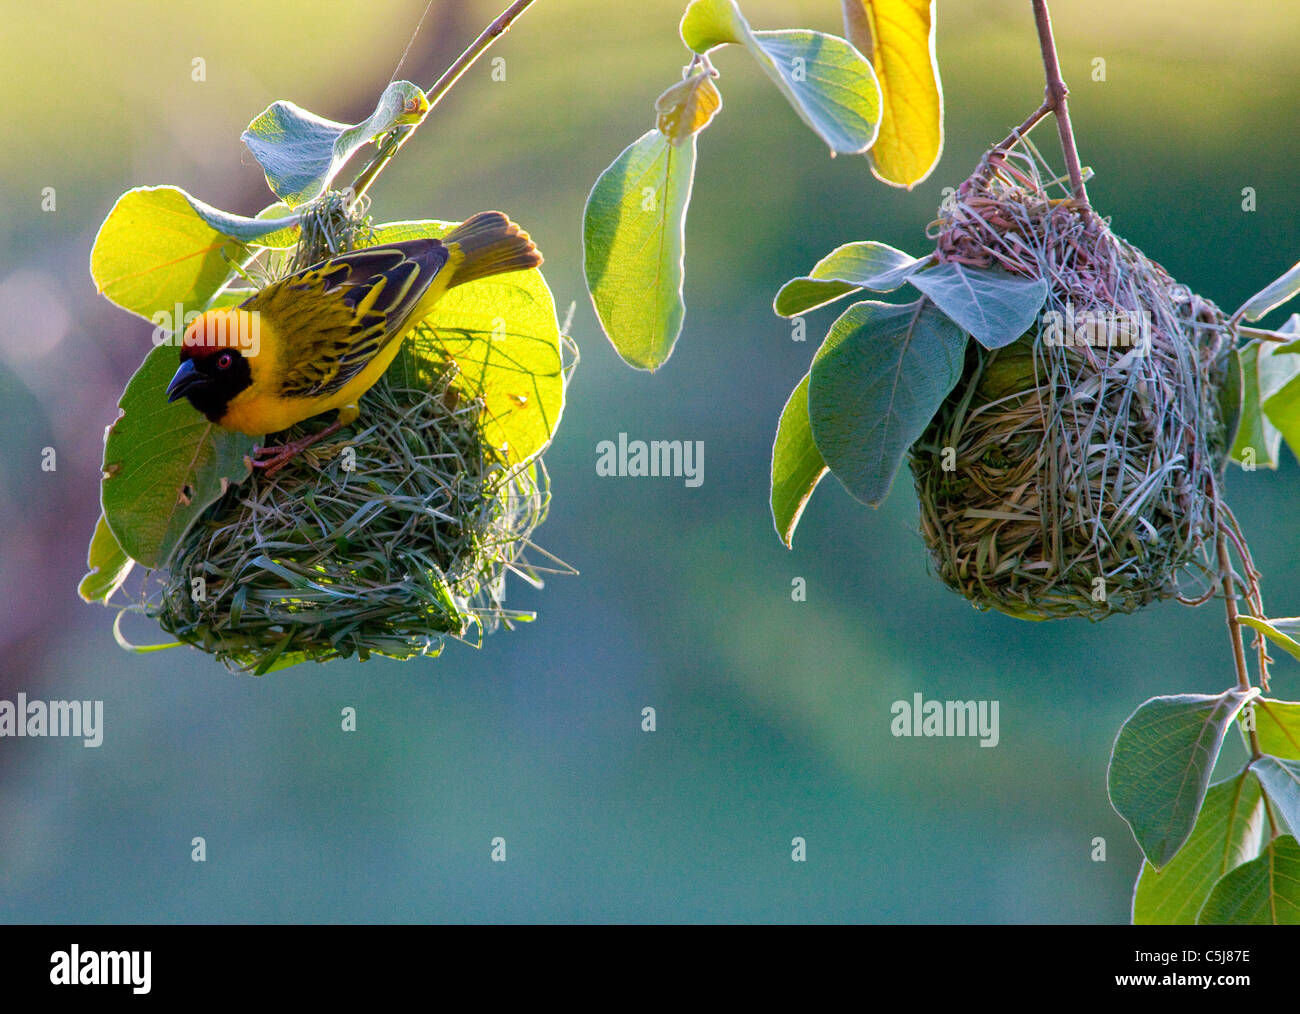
[389, 538]
[330, 225]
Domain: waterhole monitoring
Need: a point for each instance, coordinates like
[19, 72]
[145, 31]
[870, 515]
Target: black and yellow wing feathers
[332, 319]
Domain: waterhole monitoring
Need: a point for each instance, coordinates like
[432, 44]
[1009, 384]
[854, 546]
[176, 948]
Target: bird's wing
[334, 317]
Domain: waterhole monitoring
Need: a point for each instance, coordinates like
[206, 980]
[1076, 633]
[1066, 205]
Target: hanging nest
[1086, 456]
[395, 535]
[391, 537]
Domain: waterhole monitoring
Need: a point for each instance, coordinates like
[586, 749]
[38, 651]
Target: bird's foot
[271, 459]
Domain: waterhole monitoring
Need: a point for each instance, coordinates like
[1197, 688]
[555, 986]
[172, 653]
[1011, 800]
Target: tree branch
[1055, 98]
[434, 95]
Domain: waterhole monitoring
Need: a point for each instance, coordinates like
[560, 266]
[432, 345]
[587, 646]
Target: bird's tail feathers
[490, 244]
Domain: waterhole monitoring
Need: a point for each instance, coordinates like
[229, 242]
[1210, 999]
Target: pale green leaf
[829, 83]
[159, 248]
[710, 23]
[846, 269]
[1281, 781]
[109, 565]
[1277, 727]
[825, 79]
[164, 464]
[503, 338]
[301, 153]
[1282, 409]
[1273, 295]
[1263, 373]
[797, 465]
[994, 306]
[1278, 631]
[633, 240]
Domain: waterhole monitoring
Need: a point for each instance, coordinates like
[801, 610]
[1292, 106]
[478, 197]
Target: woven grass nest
[395, 534]
[1085, 474]
[390, 537]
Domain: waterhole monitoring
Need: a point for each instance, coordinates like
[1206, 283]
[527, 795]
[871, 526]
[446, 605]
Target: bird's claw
[284, 453]
[271, 459]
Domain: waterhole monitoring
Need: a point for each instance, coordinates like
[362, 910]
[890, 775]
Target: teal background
[773, 716]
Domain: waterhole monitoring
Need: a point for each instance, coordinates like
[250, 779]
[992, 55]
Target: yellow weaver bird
[319, 339]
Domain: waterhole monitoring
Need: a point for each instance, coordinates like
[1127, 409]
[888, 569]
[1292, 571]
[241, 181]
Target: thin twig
[1026, 127]
[1234, 628]
[1055, 99]
[396, 138]
[1230, 602]
[1254, 596]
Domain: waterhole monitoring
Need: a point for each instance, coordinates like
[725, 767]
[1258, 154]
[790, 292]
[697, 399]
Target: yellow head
[216, 360]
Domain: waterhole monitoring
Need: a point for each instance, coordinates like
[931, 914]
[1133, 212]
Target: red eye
[224, 361]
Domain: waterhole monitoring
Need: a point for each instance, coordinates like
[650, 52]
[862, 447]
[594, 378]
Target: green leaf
[1281, 781]
[109, 565]
[301, 152]
[1290, 327]
[1229, 401]
[1272, 295]
[853, 266]
[273, 226]
[996, 307]
[1160, 766]
[633, 233]
[160, 247]
[797, 465]
[1277, 727]
[502, 335]
[164, 464]
[281, 213]
[1262, 892]
[710, 23]
[825, 79]
[1283, 408]
[879, 377]
[1278, 388]
[1229, 832]
[828, 82]
[1262, 374]
[1277, 631]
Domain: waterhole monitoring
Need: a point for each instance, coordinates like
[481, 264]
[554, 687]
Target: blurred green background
[773, 716]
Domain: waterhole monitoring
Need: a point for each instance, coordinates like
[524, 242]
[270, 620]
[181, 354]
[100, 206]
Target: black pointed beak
[186, 378]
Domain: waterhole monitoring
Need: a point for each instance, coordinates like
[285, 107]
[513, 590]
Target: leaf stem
[1254, 600]
[1055, 99]
[398, 137]
[1234, 627]
[1266, 335]
[1230, 600]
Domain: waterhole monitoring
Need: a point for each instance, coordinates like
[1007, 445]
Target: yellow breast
[259, 410]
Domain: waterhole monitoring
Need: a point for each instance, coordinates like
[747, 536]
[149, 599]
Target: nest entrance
[1081, 460]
